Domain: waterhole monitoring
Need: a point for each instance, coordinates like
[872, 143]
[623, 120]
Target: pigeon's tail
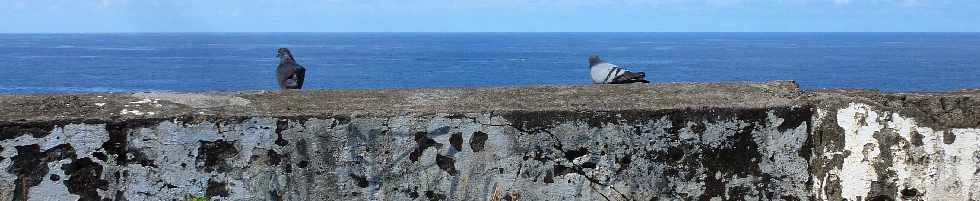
[292, 84]
[295, 81]
[631, 77]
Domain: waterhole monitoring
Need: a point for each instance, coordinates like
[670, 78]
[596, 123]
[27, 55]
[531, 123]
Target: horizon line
[376, 32]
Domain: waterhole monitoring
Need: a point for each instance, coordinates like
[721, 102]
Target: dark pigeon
[606, 73]
[289, 73]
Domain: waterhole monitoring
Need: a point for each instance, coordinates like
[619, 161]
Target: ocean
[133, 62]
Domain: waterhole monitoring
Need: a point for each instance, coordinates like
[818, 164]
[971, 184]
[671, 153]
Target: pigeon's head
[284, 54]
[594, 59]
[281, 52]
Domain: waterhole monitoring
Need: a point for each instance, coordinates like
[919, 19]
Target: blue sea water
[57, 63]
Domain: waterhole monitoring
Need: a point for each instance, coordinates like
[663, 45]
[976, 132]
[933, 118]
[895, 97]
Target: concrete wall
[721, 141]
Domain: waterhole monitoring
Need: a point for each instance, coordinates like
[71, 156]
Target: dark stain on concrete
[793, 117]
[827, 136]
[883, 187]
[881, 198]
[39, 129]
[275, 195]
[737, 192]
[538, 155]
[274, 158]
[806, 149]
[699, 127]
[456, 141]
[673, 154]
[142, 159]
[11, 130]
[949, 137]
[910, 194]
[571, 155]
[549, 177]
[433, 196]
[101, 156]
[412, 193]
[422, 142]
[218, 120]
[302, 148]
[84, 179]
[676, 124]
[688, 154]
[588, 165]
[455, 116]
[216, 189]
[917, 138]
[544, 120]
[118, 143]
[341, 119]
[734, 160]
[478, 140]
[531, 120]
[30, 166]
[446, 163]
[281, 125]
[360, 181]
[559, 170]
[212, 156]
[120, 196]
[940, 112]
[624, 162]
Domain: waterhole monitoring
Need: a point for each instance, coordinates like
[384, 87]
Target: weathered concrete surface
[717, 141]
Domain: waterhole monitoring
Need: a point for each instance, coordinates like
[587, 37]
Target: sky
[78, 16]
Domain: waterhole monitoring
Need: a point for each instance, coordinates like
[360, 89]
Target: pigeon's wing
[630, 77]
[300, 76]
[283, 72]
[605, 72]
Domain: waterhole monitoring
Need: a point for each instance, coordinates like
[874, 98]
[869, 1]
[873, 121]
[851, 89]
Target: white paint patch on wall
[937, 170]
[961, 159]
[859, 124]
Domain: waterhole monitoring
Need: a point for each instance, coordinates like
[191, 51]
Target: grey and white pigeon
[606, 73]
[289, 73]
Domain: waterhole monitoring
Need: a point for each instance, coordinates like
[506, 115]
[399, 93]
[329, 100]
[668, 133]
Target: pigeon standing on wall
[289, 73]
[606, 73]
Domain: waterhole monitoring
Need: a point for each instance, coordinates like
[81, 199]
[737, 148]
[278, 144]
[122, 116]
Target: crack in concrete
[579, 170]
